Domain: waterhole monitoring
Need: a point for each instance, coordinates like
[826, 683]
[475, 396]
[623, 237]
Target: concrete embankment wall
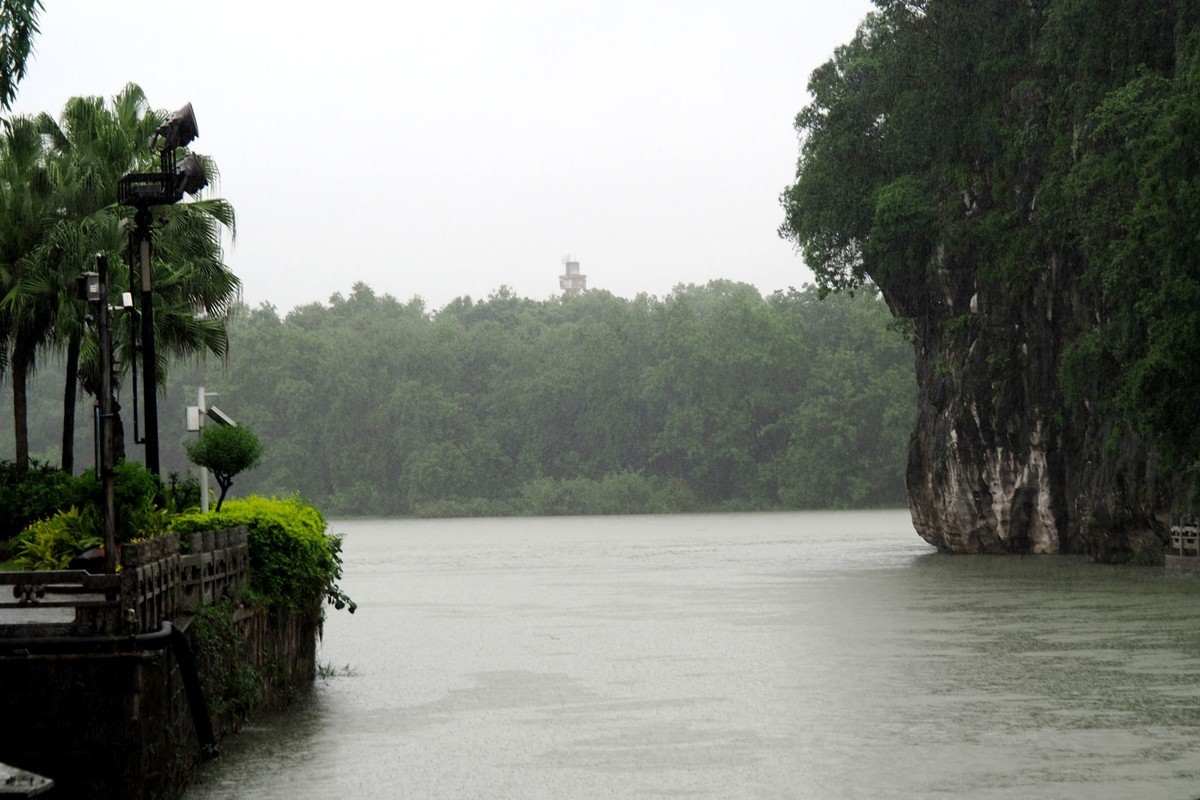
[107, 715]
[98, 725]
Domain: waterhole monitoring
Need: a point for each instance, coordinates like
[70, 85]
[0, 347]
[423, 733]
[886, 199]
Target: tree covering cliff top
[975, 148]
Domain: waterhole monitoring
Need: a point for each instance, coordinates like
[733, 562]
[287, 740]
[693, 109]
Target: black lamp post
[143, 191]
[93, 287]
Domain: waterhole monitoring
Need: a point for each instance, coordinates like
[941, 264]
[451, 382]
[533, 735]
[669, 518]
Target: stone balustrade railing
[1185, 540]
[155, 582]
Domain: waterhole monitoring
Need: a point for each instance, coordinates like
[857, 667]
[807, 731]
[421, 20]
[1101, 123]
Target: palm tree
[18, 24]
[89, 149]
[25, 199]
[69, 248]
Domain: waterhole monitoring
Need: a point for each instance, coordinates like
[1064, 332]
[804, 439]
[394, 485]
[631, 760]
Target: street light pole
[93, 288]
[107, 473]
[143, 191]
[202, 404]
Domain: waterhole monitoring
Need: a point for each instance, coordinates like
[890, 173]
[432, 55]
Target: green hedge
[294, 563]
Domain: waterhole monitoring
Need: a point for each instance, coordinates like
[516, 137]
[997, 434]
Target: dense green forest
[712, 397]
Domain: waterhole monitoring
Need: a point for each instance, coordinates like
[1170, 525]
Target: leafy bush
[53, 516]
[293, 561]
[136, 492]
[52, 543]
[181, 494]
[231, 683]
[143, 521]
[36, 493]
[133, 485]
[227, 450]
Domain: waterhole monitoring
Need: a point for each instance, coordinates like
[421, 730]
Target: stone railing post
[150, 583]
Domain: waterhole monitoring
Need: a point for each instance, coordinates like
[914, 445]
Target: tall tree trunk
[69, 396]
[19, 368]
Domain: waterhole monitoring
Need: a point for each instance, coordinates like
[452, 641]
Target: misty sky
[446, 149]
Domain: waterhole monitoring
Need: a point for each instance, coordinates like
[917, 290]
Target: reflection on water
[730, 656]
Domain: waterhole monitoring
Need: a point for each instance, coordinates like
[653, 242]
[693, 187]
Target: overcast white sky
[447, 148]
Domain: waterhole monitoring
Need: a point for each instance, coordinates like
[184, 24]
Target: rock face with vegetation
[1022, 182]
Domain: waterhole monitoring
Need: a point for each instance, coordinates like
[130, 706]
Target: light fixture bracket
[146, 189]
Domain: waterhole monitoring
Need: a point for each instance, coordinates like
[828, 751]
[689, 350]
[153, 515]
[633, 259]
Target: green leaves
[58, 192]
[294, 563]
[52, 543]
[510, 405]
[1003, 150]
[1136, 195]
[18, 24]
[904, 234]
[228, 450]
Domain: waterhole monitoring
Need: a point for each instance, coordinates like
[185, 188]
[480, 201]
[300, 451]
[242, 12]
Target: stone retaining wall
[113, 720]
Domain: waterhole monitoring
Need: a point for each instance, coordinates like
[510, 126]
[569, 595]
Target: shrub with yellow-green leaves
[294, 561]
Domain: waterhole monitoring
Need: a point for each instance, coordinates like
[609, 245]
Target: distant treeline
[710, 398]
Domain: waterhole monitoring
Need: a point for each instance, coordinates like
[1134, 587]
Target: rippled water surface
[731, 656]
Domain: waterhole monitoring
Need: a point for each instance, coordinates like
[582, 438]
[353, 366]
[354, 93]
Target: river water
[805, 655]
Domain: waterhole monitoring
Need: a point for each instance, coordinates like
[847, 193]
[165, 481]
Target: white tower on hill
[571, 282]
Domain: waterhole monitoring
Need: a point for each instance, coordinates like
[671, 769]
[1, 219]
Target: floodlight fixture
[178, 130]
[146, 189]
[191, 174]
[220, 417]
[88, 285]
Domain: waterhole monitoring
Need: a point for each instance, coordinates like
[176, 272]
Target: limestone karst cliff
[1020, 183]
[994, 465]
